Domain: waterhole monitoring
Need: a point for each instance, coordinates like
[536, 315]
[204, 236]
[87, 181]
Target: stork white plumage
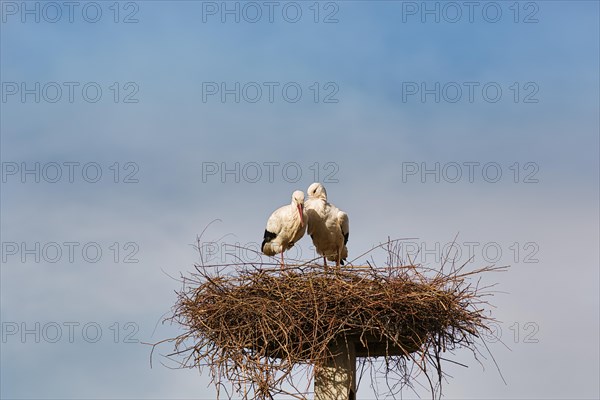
[285, 227]
[328, 226]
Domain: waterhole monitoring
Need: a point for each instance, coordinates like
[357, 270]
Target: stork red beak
[301, 214]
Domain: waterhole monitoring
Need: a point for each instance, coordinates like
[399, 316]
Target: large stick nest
[255, 326]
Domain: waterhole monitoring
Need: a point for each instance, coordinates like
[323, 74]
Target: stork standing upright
[328, 226]
[285, 227]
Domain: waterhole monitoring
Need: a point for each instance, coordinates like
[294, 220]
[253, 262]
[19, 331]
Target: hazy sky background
[369, 133]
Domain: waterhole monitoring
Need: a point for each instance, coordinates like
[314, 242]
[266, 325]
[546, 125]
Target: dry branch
[254, 327]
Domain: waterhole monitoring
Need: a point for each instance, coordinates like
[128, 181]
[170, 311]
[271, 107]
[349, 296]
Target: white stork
[328, 226]
[285, 227]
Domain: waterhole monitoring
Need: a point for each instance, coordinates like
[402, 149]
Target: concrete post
[336, 380]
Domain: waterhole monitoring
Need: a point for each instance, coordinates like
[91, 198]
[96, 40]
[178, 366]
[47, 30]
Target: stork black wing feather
[267, 238]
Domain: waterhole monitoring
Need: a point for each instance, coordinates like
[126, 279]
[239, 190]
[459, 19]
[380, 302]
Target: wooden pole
[336, 380]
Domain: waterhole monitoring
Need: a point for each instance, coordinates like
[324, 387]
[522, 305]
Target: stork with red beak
[328, 226]
[285, 227]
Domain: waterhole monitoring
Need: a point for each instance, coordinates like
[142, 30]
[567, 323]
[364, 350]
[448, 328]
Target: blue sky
[542, 134]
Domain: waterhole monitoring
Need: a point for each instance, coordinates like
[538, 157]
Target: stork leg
[324, 262]
[282, 264]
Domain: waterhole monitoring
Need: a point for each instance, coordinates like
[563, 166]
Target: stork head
[317, 191]
[298, 202]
